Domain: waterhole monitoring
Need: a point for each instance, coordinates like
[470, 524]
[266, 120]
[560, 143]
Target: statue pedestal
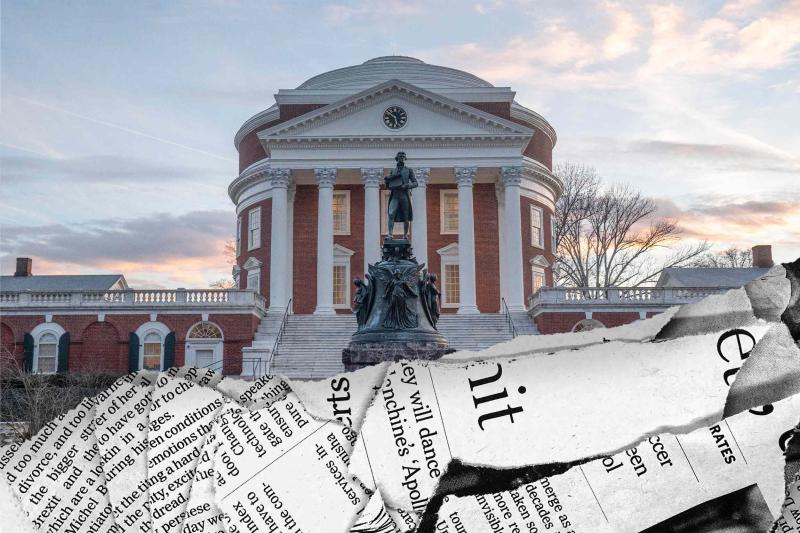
[397, 311]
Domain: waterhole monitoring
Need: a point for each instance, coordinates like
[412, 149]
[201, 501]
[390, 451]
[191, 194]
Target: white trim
[596, 324]
[346, 193]
[537, 243]
[192, 345]
[442, 194]
[448, 256]
[342, 257]
[238, 235]
[539, 260]
[145, 329]
[253, 243]
[492, 124]
[37, 333]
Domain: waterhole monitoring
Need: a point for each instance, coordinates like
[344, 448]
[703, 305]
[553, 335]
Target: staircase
[311, 346]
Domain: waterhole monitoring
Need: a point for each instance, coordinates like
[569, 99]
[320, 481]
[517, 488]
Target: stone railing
[619, 296]
[133, 298]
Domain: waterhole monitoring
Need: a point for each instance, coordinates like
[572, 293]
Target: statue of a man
[400, 181]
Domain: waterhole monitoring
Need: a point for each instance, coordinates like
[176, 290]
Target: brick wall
[305, 249]
[487, 248]
[563, 321]
[262, 253]
[499, 109]
[103, 346]
[436, 240]
[530, 251]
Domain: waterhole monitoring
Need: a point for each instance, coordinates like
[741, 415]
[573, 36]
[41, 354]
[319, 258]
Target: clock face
[395, 117]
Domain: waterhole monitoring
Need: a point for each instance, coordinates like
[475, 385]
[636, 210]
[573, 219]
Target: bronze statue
[430, 298]
[400, 181]
[400, 291]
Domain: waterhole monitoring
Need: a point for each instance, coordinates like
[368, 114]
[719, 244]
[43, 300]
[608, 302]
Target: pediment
[360, 116]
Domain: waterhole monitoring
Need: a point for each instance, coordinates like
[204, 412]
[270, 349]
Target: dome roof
[381, 69]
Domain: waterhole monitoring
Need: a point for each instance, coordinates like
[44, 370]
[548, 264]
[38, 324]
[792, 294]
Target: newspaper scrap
[181, 414]
[120, 426]
[273, 465]
[487, 413]
[770, 372]
[57, 475]
[730, 472]
[344, 397]
[374, 518]
[202, 513]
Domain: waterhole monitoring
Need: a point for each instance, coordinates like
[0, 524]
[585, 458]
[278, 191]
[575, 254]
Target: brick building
[311, 205]
[311, 213]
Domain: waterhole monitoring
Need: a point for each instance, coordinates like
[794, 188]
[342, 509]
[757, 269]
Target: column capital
[371, 177]
[326, 177]
[279, 177]
[422, 175]
[511, 176]
[465, 176]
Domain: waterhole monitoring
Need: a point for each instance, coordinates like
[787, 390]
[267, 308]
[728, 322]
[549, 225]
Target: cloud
[722, 44]
[725, 156]
[94, 169]
[147, 243]
[730, 221]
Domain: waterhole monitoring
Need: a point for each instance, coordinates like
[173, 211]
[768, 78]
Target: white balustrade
[619, 296]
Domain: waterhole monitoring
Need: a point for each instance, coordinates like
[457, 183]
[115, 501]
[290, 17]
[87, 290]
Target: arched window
[152, 351]
[204, 347]
[45, 358]
[587, 325]
[205, 330]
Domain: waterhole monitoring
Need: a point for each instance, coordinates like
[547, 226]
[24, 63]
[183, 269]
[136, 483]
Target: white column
[419, 204]
[371, 178]
[290, 245]
[499, 193]
[278, 260]
[326, 178]
[512, 235]
[465, 177]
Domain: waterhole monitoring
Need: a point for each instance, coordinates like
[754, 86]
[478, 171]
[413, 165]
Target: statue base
[360, 355]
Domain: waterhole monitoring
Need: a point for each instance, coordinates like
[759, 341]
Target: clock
[395, 117]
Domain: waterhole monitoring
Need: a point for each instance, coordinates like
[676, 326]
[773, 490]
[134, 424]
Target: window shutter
[133, 352]
[27, 348]
[63, 353]
[169, 350]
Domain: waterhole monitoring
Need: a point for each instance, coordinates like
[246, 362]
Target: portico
[322, 185]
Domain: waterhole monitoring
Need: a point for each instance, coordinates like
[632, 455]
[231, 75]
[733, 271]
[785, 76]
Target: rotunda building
[311, 205]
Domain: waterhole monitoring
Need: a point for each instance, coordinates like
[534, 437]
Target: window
[254, 228]
[238, 236]
[341, 212]
[538, 278]
[450, 284]
[553, 243]
[587, 325]
[537, 233]
[254, 281]
[205, 330]
[47, 354]
[340, 286]
[153, 349]
[341, 276]
[448, 206]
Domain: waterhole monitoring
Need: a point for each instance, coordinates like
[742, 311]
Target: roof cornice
[384, 90]
[533, 169]
[521, 112]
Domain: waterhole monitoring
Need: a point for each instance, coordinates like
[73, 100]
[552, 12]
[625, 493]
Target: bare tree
[229, 252]
[732, 257]
[606, 236]
[222, 283]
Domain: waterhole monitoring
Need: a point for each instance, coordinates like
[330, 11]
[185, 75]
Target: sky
[117, 118]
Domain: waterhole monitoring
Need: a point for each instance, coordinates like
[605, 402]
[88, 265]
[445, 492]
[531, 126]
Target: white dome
[381, 69]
